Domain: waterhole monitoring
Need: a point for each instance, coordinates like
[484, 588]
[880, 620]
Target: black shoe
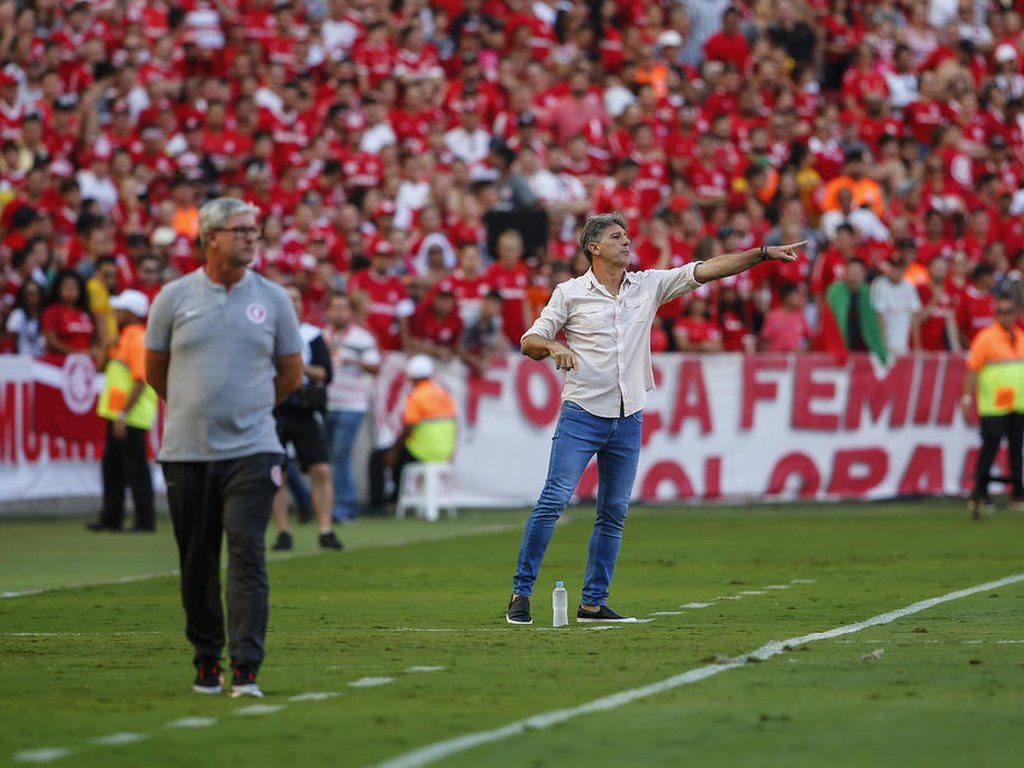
[604, 613]
[209, 678]
[330, 541]
[284, 542]
[519, 610]
[98, 527]
[243, 682]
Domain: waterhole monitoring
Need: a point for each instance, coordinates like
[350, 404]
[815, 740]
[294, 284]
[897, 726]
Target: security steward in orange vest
[428, 432]
[995, 382]
[129, 405]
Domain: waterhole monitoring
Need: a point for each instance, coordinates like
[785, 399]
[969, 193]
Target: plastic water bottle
[560, 605]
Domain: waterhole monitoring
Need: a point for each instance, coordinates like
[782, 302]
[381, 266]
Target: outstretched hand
[789, 252]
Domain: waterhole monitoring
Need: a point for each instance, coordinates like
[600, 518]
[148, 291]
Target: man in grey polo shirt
[606, 315]
[222, 348]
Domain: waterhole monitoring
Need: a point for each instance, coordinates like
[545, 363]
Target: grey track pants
[206, 500]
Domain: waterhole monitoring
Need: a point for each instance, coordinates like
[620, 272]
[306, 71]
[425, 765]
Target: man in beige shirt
[606, 315]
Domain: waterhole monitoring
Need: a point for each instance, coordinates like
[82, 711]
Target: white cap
[670, 39]
[163, 236]
[419, 367]
[135, 302]
[1005, 53]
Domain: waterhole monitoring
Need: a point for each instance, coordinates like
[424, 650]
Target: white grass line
[696, 605]
[753, 592]
[601, 627]
[461, 533]
[83, 585]
[1008, 642]
[260, 709]
[803, 581]
[424, 669]
[118, 739]
[668, 613]
[777, 586]
[40, 755]
[370, 682]
[443, 749]
[82, 634]
[192, 722]
[314, 696]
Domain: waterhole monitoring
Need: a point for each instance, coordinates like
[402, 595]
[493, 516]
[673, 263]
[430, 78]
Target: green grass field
[413, 614]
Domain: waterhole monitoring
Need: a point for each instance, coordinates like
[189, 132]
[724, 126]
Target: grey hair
[593, 230]
[214, 213]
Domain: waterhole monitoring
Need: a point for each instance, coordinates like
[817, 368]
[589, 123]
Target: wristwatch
[763, 255]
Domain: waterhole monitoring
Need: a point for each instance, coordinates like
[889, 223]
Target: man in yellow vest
[995, 381]
[428, 430]
[130, 406]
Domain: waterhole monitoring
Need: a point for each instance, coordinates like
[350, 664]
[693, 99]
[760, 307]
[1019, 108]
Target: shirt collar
[591, 279]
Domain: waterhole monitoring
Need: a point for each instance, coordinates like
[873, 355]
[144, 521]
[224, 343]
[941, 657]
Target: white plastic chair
[425, 488]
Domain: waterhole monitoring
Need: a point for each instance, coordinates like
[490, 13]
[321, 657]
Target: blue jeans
[578, 436]
[342, 430]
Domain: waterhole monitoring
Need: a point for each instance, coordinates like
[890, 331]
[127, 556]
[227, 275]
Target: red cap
[385, 208]
[383, 248]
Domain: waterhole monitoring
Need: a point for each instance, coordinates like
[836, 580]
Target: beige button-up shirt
[611, 335]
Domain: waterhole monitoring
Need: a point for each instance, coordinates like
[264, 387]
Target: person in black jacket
[300, 423]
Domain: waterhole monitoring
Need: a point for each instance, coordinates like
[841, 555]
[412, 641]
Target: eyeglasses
[241, 231]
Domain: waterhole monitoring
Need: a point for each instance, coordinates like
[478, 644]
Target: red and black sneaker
[243, 682]
[209, 678]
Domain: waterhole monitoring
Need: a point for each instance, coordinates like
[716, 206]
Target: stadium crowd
[434, 160]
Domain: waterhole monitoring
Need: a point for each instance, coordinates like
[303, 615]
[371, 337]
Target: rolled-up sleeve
[552, 317]
[673, 283]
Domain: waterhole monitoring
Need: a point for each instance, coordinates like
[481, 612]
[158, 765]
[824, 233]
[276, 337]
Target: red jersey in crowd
[934, 321]
[442, 331]
[388, 302]
[977, 310]
[74, 327]
[696, 330]
[511, 284]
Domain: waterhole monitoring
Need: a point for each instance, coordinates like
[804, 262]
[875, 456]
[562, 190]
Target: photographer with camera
[300, 423]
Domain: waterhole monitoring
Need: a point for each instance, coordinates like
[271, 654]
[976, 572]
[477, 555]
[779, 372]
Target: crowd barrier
[718, 427]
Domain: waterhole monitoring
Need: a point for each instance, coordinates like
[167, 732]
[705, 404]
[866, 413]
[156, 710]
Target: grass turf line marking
[370, 682]
[40, 755]
[777, 586]
[117, 739]
[442, 749]
[668, 613]
[192, 722]
[753, 592]
[314, 696]
[696, 605]
[803, 581]
[260, 709]
[424, 669]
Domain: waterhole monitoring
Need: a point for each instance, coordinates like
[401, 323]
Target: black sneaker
[243, 682]
[284, 542]
[209, 678]
[330, 541]
[519, 610]
[604, 613]
[98, 527]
